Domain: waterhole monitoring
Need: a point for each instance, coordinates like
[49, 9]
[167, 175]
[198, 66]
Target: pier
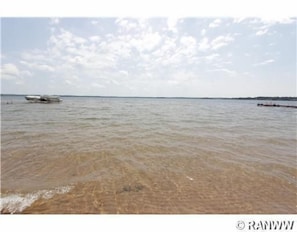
[276, 105]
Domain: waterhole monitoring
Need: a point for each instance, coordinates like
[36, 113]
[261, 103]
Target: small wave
[90, 119]
[16, 203]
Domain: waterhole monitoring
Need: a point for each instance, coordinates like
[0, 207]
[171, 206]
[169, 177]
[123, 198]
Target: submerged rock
[129, 188]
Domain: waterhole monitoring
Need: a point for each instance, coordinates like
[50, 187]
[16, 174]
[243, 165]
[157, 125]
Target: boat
[43, 98]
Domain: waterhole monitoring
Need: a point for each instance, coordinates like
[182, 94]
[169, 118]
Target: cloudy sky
[183, 57]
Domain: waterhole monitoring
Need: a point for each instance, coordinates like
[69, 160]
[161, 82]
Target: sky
[149, 57]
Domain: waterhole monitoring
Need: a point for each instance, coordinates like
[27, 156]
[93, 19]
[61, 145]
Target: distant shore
[211, 98]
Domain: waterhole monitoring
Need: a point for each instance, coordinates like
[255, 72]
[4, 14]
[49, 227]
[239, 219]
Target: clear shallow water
[142, 155]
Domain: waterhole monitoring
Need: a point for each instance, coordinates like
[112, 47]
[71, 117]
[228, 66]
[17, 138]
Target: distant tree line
[269, 98]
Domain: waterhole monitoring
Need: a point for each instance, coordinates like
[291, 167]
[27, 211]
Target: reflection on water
[129, 155]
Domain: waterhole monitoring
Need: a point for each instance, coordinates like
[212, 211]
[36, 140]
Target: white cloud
[239, 20]
[126, 24]
[172, 24]
[188, 44]
[261, 32]
[94, 22]
[54, 21]
[134, 55]
[97, 85]
[263, 25]
[9, 71]
[69, 82]
[265, 62]
[20, 82]
[101, 56]
[224, 70]
[188, 41]
[214, 44]
[270, 21]
[183, 76]
[212, 57]
[45, 67]
[204, 44]
[41, 67]
[26, 73]
[164, 54]
[115, 82]
[174, 52]
[124, 72]
[35, 56]
[146, 41]
[118, 46]
[221, 41]
[167, 47]
[215, 23]
[95, 38]
[203, 32]
[65, 39]
[75, 53]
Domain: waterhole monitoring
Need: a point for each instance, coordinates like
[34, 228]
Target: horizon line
[173, 97]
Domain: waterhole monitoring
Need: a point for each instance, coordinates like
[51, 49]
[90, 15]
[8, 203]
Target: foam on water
[16, 203]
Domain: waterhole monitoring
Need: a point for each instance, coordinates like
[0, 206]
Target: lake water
[147, 155]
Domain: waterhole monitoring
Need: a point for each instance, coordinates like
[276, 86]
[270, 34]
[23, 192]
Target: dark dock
[276, 105]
